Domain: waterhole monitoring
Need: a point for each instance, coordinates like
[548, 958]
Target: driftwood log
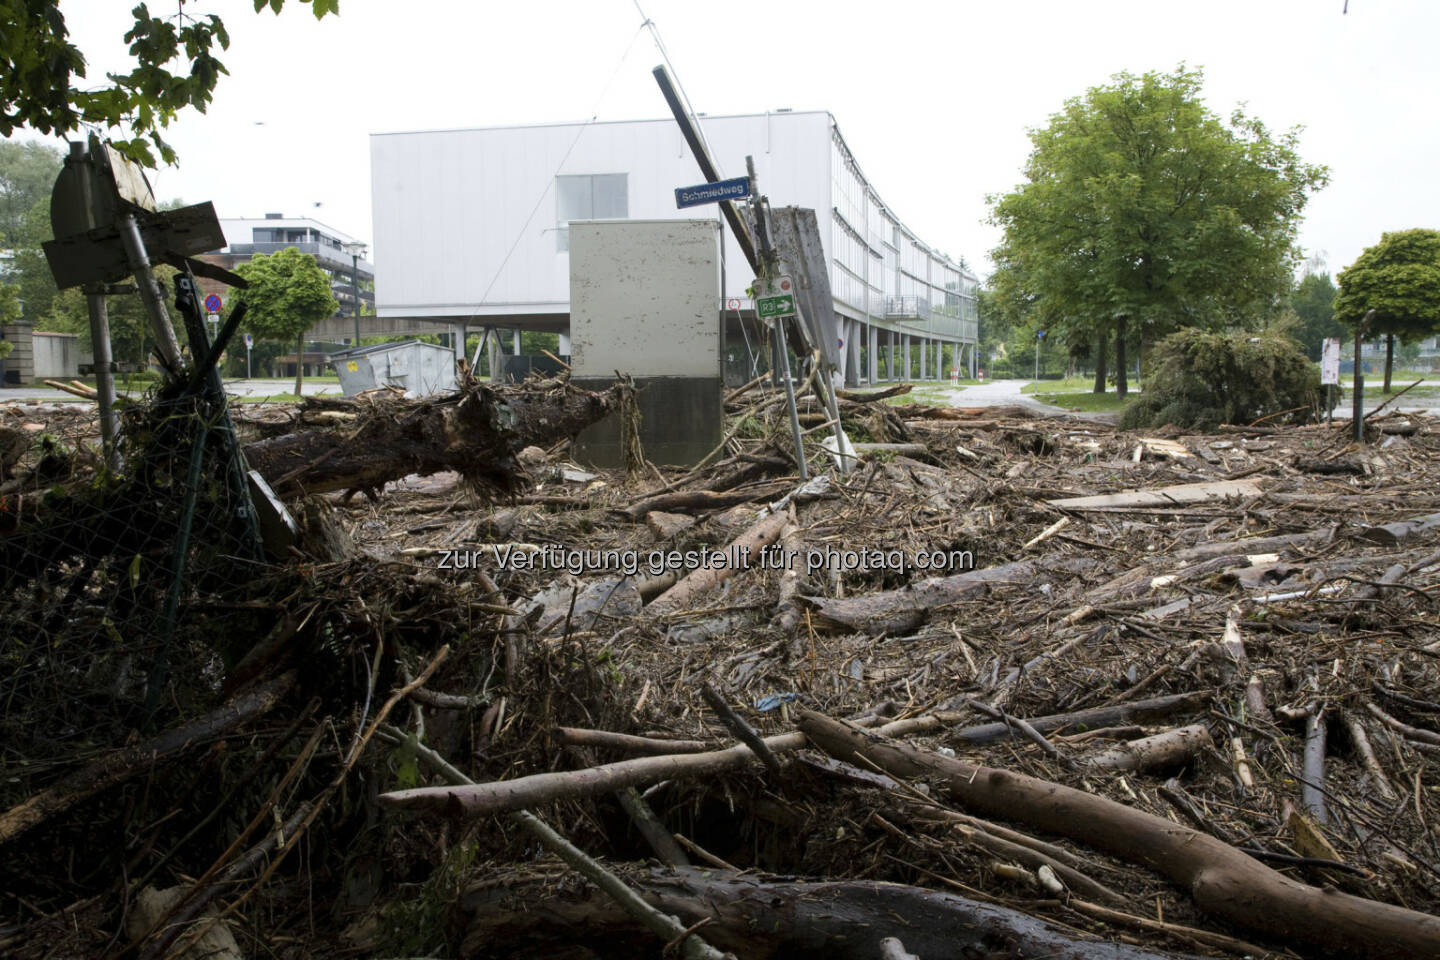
[475, 432]
[1223, 881]
[761, 919]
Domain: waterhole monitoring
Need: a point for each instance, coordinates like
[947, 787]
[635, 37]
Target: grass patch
[1069, 385]
[272, 398]
[1088, 402]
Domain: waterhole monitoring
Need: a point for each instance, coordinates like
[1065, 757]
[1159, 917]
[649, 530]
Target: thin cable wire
[595, 112]
[675, 75]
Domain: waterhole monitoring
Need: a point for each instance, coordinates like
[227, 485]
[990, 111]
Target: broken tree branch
[1222, 880]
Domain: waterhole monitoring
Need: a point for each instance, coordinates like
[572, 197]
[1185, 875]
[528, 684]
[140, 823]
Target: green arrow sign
[782, 306]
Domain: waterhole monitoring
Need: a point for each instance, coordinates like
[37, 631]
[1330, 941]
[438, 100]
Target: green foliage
[1200, 379]
[27, 175]
[1314, 303]
[1398, 278]
[1143, 212]
[39, 66]
[288, 294]
[9, 310]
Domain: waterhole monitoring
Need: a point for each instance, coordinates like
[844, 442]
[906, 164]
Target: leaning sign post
[775, 298]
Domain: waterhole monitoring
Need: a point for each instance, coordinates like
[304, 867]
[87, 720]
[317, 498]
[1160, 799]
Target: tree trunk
[476, 432]
[1122, 388]
[299, 362]
[1389, 359]
[1224, 882]
[753, 918]
[1102, 351]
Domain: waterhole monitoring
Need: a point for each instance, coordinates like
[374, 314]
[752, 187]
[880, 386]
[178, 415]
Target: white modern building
[471, 228]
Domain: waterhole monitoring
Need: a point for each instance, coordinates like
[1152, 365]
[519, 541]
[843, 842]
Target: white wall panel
[450, 205]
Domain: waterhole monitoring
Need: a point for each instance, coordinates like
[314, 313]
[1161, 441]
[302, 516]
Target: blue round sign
[212, 303]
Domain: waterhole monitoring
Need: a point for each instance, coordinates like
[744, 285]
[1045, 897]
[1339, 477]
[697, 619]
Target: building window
[598, 196]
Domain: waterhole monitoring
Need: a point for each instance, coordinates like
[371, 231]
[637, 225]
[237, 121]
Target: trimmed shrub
[1199, 380]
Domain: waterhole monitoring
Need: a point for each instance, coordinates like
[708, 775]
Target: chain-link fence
[107, 576]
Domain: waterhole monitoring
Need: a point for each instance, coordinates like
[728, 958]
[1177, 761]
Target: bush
[1201, 380]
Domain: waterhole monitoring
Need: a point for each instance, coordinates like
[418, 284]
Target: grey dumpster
[418, 368]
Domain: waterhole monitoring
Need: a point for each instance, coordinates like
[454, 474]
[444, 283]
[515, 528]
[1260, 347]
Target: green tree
[1398, 278]
[9, 310]
[1314, 303]
[1144, 212]
[288, 294]
[27, 175]
[39, 66]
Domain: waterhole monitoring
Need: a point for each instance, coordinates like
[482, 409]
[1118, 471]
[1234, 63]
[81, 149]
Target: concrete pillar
[496, 374]
[516, 351]
[905, 357]
[872, 353]
[458, 335]
[564, 349]
[891, 360]
[940, 372]
[924, 349]
[854, 331]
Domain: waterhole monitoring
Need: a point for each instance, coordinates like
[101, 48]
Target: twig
[1393, 399]
[743, 731]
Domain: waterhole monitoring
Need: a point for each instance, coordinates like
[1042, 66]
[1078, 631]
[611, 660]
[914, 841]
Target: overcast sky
[934, 98]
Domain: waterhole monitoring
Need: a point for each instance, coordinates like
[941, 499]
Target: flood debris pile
[1025, 687]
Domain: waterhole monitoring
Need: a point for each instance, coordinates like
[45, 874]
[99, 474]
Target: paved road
[996, 393]
[239, 387]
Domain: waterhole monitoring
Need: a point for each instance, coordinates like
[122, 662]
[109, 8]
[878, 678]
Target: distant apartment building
[246, 237]
[472, 228]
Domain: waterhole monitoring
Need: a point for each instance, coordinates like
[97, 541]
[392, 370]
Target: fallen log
[896, 611]
[120, 765]
[855, 396]
[1169, 749]
[1223, 881]
[1182, 493]
[476, 432]
[759, 920]
[1394, 534]
[1136, 711]
[739, 554]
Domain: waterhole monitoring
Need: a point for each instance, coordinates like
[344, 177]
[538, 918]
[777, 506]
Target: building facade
[471, 228]
[245, 237]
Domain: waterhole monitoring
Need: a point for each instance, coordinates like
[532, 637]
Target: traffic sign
[212, 303]
[1330, 361]
[777, 299]
[701, 193]
[249, 341]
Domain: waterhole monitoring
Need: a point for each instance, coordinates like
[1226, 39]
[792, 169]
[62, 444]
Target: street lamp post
[356, 251]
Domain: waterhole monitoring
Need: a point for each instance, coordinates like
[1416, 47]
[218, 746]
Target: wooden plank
[1164, 496]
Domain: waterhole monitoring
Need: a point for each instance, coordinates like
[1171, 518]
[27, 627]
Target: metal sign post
[1358, 411]
[249, 342]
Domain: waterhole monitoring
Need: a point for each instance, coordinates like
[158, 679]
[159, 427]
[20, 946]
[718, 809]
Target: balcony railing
[322, 252]
[907, 308]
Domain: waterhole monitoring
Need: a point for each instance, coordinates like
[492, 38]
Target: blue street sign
[212, 303]
[701, 193]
